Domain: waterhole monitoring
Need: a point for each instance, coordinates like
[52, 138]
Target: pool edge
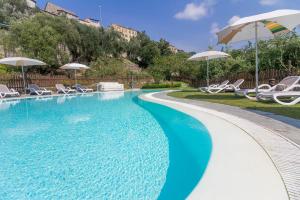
[237, 187]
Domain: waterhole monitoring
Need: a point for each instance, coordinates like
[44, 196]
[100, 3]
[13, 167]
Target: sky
[190, 25]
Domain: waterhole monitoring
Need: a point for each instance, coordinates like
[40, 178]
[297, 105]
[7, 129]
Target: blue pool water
[100, 146]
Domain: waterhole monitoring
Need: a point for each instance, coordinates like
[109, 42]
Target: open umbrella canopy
[268, 25]
[208, 55]
[74, 66]
[21, 62]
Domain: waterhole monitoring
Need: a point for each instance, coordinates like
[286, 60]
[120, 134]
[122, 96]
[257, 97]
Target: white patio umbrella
[207, 56]
[262, 26]
[75, 67]
[21, 62]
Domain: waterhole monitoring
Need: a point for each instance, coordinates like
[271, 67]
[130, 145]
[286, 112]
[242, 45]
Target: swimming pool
[99, 146]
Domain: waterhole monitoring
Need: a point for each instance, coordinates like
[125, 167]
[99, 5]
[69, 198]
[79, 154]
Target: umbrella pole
[24, 82]
[207, 73]
[256, 58]
[75, 78]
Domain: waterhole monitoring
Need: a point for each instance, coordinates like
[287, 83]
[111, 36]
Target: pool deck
[255, 155]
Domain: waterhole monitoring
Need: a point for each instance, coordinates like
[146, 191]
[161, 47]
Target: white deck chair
[294, 97]
[248, 92]
[6, 92]
[83, 89]
[205, 89]
[218, 89]
[235, 86]
[36, 90]
[285, 89]
[283, 85]
[62, 89]
[287, 98]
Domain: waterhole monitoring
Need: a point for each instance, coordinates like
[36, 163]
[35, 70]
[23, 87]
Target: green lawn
[231, 99]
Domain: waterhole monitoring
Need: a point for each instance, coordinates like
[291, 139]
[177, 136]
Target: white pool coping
[23, 97]
[239, 168]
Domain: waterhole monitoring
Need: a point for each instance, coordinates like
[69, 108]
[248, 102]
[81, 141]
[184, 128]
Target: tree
[164, 47]
[112, 43]
[85, 47]
[11, 10]
[175, 65]
[106, 66]
[38, 39]
[147, 54]
[142, 50]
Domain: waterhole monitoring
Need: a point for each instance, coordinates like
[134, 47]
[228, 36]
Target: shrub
[161, 85]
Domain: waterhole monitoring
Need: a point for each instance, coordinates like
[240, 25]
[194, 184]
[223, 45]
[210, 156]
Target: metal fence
[15, 81]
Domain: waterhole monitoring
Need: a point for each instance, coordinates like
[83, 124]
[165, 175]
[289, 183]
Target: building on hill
[31, 3]
[90, 22]
[173, 49]
[126, 33]
[55, 10]
[59, 11]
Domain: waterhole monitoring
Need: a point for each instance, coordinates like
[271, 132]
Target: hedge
[161, 85]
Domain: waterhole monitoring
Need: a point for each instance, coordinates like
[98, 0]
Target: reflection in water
[41, 98]
[62, 99]
[6, 104]
[87, 94]
[111, 95]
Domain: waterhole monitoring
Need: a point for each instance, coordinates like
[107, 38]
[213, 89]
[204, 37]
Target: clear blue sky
[188, 24]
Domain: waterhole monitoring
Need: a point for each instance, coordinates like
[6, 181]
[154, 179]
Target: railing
[264, 77]
[15, 81]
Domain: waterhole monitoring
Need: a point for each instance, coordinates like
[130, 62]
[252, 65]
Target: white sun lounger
[286, 89]
[62, 89]
[205, 89]
[290, 97]
[83, 89]
[6, 92]
[285, 85]
[294, 96]
[235, 86]
[36, 90]
[224, 87]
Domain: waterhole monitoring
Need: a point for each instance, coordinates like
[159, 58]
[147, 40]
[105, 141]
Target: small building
[173, 49]
[31, 3]
[126, 33]
[59, 11]
[90, 22]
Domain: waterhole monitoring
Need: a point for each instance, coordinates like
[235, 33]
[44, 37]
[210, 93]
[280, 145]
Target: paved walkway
[283, 146]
